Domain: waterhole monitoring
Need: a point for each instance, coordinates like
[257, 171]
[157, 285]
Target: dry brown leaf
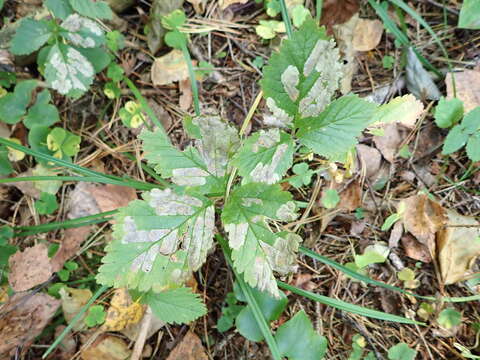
[351, 197]
[467, 83]
[458, 247]
[344, 35]
[111, 197]
[395, 235]
[107, 347]
[415, 250]
[186, 96]
[190, 348]
[29, 268]
[72, 302]
[226, 3]
[367, 34]
[169, 68]
[390, 142]
[67, 347]
[81, 202]
[198, 5]
[72, 240]
[338, 11]
[122, 311]
[423, 218]
[23, 318]
[132, 331]
[369, 160]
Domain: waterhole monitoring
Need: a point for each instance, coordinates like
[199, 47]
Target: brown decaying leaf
[351, 197]
[67, 347]
[458, 247]
[186, 96]
[467, 83]
[29, 268]
[169, 68]
[395, 235]
[423, 218]
[367, 34]
[344, 34]
[390, 142]
[23, 318]
[369, 160]
[226, 3]
[111, 197]
[415, 250]
[198, 5]
[72, 240]
[338, 11]
[122, 311]
[107, 347]
[190, 348]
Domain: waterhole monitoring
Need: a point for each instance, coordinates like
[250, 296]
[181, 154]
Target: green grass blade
[75, 320]
[342, 305]
[318, 11]
[286, 18]
[390, 25]
[257, 313]
[193, 80]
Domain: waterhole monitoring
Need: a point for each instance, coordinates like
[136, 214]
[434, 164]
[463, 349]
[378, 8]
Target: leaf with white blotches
[336, 130]
[301, 79]
[265, 156]
[204, 164]
[256, 250]
[82, 32]
[68, 71]
[158, 241]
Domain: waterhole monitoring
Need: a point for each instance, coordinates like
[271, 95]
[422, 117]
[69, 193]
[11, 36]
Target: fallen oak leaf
[29, 268]
[23, 318]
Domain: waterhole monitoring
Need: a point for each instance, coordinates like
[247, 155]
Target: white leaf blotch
[290, 79]
[267, 173]
[279, 117]
[237, 233]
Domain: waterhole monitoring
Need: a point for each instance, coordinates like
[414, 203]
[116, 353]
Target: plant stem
[286, 18]
[193, 81]
[257, 312]
[318, 14]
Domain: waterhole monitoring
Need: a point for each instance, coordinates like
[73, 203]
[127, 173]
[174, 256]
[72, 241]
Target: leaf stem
[193, 80]
[286, 18]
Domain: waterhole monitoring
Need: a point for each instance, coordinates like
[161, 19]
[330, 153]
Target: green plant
[469, 15]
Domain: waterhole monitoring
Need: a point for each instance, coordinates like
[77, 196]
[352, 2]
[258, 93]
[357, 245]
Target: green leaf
[6, 250]
[98, 57]
[373, 254]
[96, 316]
[303, 175]
[174, 20]
[448, 112]
[330, 199]
[115, 40]
[271, 309]
[299, 15]
[256, 251]
[115, 72]
[47, 204]
[455, 140]
[30, 36]
[6, 167]
[42, 113]
[390, 221]
[82, 32]
[269, 28]
[68, 71]
[335, 130]
[92, 9]
[176, 39]
[388, 62]
[469, 15]
[13, 105]
[301, 79]
[158, 241]
[265, 156]
[449, 318]
[63, 143]
[473, 147]
[205, 163]
[401, 351]
[297, 340]
[59, 8]
[176, 305]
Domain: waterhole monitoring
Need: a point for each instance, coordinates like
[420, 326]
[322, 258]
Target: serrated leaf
[59, 8]
[98, 57]
[92, 9]
[336, 130]
[301, 79]
[13, 105]
[68, 71]
[176, 305]
[448, 112]
[158, 241]
[200, 164]
[265, 156]
[82, 32]
[30, 36]
[256, 251]
[42, 113]
[297, 340]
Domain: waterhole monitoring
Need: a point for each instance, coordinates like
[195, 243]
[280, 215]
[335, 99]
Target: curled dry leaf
[423, 218]
[190, 348]
[169, 68]
[338, 11]
[390, 141]
[367, 34]
[23, 318]
[29, 268]
[72, 239]
[107, 347]
[458, 247]
[369, 160]
[122, 311]
[467, 83]
[72, 302]
[415, 250]
[226, 3]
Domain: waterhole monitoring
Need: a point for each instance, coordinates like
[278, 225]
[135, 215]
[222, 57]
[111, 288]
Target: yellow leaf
[13, 154]
[72, 302]
[122, 311]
